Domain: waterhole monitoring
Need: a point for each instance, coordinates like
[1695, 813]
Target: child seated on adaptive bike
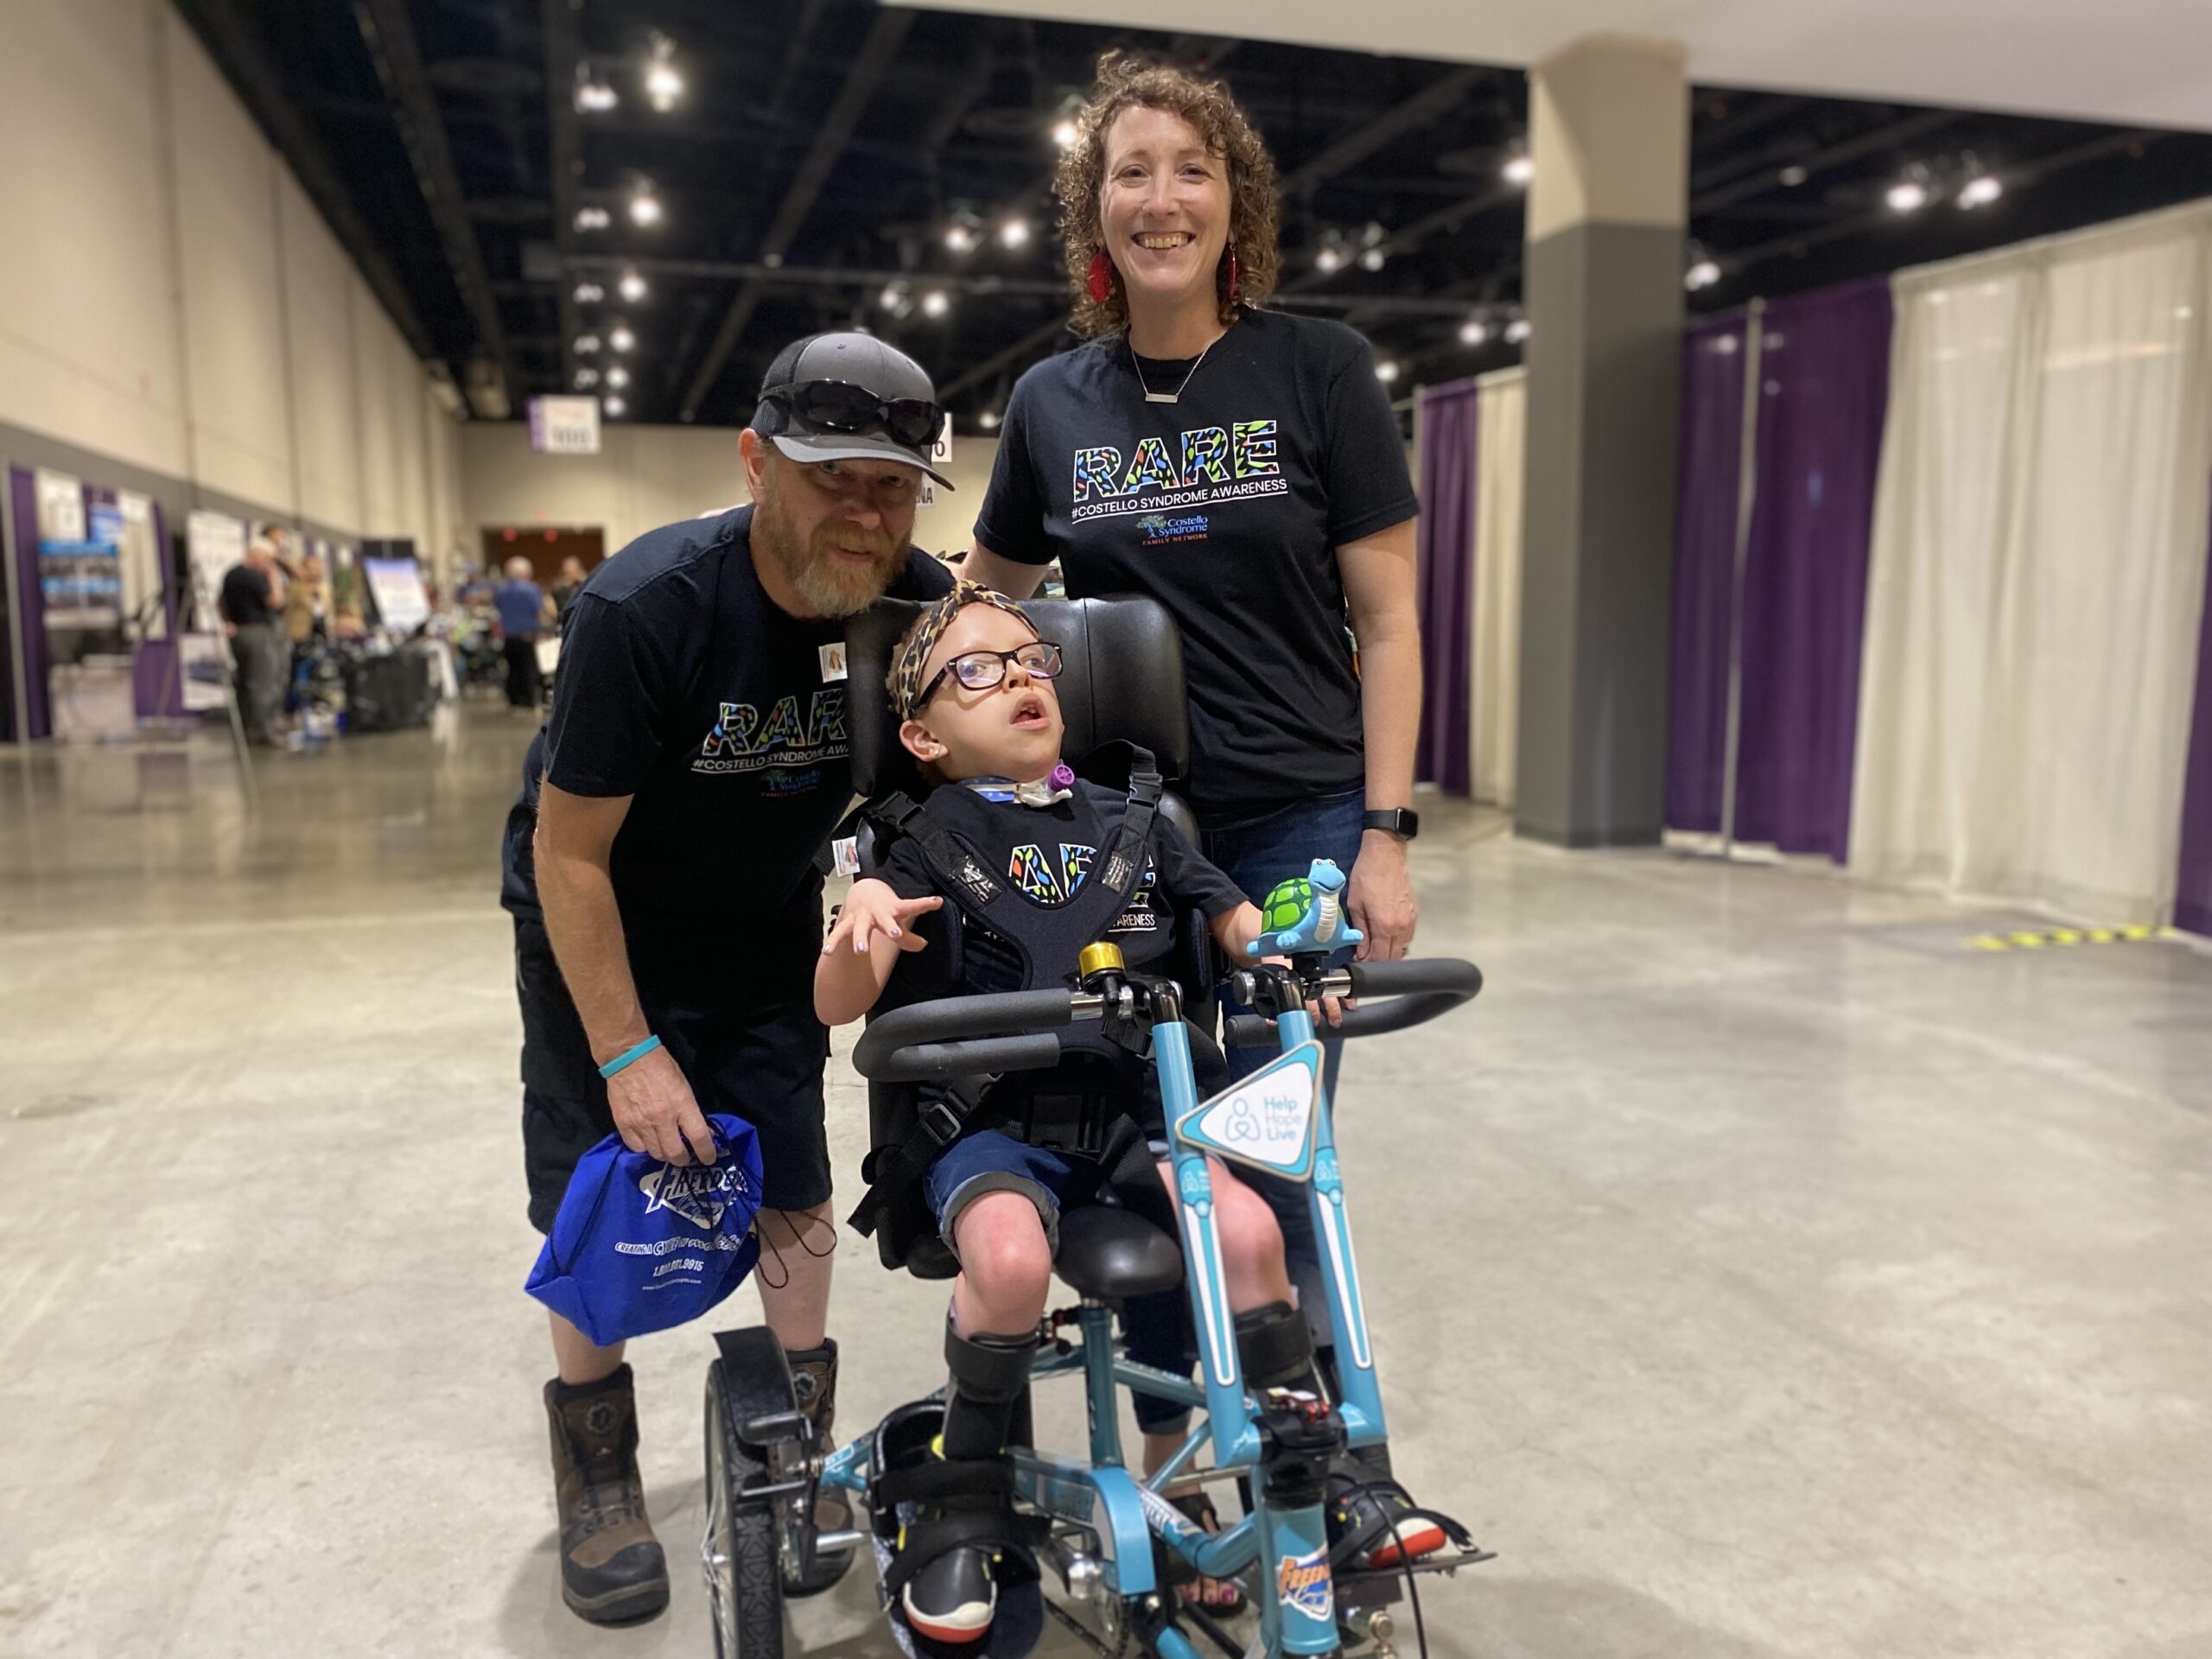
[1077, 863]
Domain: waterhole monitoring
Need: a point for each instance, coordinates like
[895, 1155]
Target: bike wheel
[740, 1554]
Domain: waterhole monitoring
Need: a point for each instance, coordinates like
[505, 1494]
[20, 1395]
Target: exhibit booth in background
[93, 609]
[1941, 608]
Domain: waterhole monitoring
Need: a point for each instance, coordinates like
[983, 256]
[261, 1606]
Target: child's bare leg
[1005, 1267]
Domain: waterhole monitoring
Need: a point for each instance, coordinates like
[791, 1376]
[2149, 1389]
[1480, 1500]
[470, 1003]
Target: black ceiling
[821, 147]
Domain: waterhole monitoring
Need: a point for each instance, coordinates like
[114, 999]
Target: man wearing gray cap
[661, 868]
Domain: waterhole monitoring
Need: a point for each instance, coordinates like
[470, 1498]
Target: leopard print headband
[913, 656]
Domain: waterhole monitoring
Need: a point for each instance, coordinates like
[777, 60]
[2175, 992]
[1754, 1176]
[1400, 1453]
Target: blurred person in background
[522, 605]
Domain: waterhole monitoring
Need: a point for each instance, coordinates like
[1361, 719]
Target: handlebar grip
[1010, 1017]
[1249, 1031]
[967, 1057]
[1418, 991]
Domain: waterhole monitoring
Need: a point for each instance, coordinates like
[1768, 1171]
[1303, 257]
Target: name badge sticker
[845, 853]
[833, 662]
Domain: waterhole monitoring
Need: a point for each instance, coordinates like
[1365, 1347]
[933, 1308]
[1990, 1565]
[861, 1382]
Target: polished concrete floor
[1760, 1272]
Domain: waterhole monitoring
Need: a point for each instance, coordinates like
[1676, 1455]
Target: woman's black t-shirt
[1227, 506]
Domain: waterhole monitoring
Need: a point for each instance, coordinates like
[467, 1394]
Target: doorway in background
[544, 545]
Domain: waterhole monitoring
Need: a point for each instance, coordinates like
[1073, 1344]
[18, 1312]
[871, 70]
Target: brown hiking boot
[814, 1388]
[612, 1568]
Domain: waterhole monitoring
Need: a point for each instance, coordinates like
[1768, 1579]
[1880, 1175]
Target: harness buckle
[939, 1122]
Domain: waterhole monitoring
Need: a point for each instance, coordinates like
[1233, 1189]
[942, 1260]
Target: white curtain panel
[1501, 429]
[2037, 571]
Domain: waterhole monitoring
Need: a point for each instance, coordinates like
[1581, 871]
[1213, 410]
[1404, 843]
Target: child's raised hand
[873, 908]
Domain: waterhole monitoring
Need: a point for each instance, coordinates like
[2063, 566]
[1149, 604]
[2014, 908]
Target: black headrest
[1121, 681]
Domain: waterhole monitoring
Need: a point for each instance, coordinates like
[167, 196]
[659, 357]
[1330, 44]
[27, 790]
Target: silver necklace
[1176, 396]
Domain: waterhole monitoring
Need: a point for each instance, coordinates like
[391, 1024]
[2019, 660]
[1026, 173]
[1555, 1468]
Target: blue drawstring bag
[641, 1245]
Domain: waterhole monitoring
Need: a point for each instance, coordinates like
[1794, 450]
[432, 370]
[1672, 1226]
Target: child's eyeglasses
[979, 671]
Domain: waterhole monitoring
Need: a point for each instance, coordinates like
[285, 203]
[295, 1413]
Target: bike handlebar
[1012, 1031]
[1419, 991]
[963, 1036]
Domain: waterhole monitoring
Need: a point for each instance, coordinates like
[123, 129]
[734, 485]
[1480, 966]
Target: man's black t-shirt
[683, 686]
[1045, 853]
[245, 596]
[1228, 506]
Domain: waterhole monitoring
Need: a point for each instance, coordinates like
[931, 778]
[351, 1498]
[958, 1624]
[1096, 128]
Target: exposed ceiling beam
[1882, 138]
[1419, 110]
[1023, 349]
[224, 31]
[876, 56]
[2095, 149]
[389, 31]
[564, 156]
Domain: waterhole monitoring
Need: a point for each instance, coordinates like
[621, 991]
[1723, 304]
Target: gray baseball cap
[894, 379]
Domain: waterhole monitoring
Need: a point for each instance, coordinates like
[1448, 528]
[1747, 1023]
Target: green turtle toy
[1303, 914]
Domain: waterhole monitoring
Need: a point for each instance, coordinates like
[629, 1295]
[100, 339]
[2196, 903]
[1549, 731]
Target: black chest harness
[1057, 1110]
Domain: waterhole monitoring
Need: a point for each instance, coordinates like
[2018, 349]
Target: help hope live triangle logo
[1265, 1120]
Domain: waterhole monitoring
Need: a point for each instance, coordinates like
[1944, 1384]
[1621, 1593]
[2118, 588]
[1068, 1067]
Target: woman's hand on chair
[1381, 897]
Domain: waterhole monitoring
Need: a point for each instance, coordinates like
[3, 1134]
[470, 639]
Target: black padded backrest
[1122, 680]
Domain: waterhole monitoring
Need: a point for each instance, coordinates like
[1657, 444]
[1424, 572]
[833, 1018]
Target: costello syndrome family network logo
[1161, 528]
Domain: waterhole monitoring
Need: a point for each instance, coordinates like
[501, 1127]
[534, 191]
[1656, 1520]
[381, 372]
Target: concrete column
[1609, 138]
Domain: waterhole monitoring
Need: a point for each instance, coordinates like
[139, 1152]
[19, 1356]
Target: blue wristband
[628, 1055]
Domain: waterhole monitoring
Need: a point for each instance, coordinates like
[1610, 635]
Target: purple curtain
[1446, 577]
[1825, 375]
[2193, 891]
[36, 718]
[1705, 562]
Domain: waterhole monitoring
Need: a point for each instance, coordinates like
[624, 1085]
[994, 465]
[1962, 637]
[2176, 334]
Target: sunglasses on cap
[979, 671]
[840, 406]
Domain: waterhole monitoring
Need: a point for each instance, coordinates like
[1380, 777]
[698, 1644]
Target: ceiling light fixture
[593, 96]
[1473, 332]
[1519, 168]
[1907, 196]
[1791, 177]
[1386, 371]
[1329, 259]
[586, 345]
[935, 303]
[1704, 274]
[1979, 192]
[593, 218]
[1372, 259]
[664, 86]
[1014, 233]
[987, 420]
[620, 338]
[1064, 134]
[645, 206]
[587, 379]
[633, 287]
[960, 237]
[613, 406]
[1517, 331]
[589, 293]
[617, 377]
[895, 299]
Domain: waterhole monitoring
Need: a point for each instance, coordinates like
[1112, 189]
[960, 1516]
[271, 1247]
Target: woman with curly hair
[1242, 465]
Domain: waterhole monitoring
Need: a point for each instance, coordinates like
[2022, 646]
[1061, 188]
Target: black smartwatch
[1400, 821]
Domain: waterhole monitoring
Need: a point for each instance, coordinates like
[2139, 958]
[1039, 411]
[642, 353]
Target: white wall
[88, 336]
[169, 297]
[646, 476]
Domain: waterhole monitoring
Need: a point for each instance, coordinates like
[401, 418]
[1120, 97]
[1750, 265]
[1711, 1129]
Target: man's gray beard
[829, 593]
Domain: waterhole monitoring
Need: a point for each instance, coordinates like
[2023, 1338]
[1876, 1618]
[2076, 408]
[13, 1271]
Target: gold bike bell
[1099, 958]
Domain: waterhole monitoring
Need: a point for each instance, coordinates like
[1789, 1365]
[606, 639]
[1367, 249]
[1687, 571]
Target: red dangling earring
[1232, 276]
[1102, 277]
